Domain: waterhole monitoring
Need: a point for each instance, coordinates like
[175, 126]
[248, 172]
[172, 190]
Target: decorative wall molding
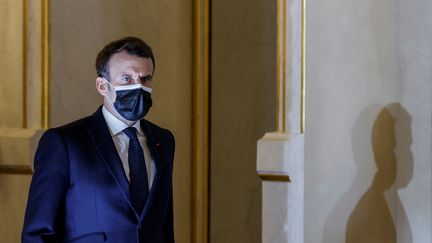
[16, 169]
[18, 143]
[200, 122]
[17, 149]
[280, 154]
[290, 66]
[265, 176]
[45, 72]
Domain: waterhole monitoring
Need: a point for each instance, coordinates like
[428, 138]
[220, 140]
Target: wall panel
[243, 91]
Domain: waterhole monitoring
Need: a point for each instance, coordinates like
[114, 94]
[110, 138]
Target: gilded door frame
[200, 121]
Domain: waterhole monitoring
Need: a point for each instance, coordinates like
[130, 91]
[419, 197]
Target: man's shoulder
[75, 125]
[76, 128]
[157, 130]
[153, 126]
[83, 123]
[72, 130]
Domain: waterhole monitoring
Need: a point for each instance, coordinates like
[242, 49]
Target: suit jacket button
[139, 226]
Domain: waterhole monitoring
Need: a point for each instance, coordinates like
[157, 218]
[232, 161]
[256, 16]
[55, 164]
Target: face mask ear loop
[114, 91]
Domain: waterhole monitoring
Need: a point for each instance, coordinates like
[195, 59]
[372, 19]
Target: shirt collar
[115, 125]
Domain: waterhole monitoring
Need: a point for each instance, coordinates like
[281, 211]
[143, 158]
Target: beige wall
[243, 99]
[368, 122]
[13, 198]
[13, 138]
[79, 29]
[11, 68]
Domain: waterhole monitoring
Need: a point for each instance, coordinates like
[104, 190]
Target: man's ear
[101, 86]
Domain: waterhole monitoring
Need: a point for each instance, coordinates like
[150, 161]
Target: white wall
[368, 122]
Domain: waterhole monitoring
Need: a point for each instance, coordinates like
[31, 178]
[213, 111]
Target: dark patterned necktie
[138, 186]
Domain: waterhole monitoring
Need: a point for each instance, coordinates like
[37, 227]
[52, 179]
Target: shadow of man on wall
[379, 216]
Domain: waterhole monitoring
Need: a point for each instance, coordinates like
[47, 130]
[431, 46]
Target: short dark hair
[132, 45]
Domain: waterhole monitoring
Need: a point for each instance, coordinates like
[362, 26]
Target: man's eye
[125, 79]
[147, 79]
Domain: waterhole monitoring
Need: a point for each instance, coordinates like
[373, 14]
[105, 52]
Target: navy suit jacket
[79, 191]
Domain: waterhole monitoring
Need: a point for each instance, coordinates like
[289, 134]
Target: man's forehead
[124, 56]
[129, 62]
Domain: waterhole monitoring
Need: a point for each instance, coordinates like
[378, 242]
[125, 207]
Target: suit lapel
[104, 144]
[152, 143]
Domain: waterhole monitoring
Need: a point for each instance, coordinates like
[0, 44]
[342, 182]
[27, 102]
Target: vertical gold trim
[281, 102]
[303, 67]
[284, 81]
[24, 66]
[284, 98]
[278, 67]
[45, 64]
[281, 65]
[200, 123]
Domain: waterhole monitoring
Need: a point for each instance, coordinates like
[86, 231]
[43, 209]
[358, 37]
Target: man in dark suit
[106, 177]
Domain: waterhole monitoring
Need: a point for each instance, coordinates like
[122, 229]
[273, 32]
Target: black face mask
[133, 101]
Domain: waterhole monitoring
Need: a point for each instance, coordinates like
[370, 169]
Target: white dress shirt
[121, 142]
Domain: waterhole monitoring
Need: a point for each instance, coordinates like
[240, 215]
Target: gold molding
[274, 177]
[25, 63]
[281, 66]
[200, 123]
[16, 169]
[281, 102]
[45, 65]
